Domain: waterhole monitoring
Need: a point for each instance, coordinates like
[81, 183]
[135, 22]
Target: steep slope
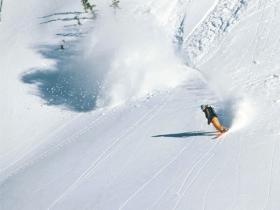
[111, 160]
[25, 119]
[246, 66]
[30, 39]
[158, 152]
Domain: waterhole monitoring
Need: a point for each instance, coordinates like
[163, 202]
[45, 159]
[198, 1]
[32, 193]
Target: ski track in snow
[258, 45]
[152, 178]
[25, 26]
[159, 198]
[206, 192]
[242, 146]
[107, 152]
[52, 149]
[162, 169]
[185, 184]
[267, 199]
[28, 152]
[159, 172]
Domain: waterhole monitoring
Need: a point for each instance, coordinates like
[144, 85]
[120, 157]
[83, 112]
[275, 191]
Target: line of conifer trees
[1, 4]
[92, 7]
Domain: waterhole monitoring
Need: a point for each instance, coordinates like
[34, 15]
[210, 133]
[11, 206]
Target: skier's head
[203, 107]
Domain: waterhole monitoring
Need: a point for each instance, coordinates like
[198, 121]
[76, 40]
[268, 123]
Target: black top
[209, 113]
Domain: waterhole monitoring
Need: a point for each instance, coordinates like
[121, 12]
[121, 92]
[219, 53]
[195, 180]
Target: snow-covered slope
[25, 120]
[154, 151]
[30, 39]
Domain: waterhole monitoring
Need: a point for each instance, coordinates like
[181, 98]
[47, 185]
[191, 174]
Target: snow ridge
[220, 20]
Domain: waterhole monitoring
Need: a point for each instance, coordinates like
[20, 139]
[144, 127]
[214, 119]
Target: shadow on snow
[69, 83]
[187, 134]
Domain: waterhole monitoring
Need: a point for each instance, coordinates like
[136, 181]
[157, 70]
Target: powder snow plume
[133, 57]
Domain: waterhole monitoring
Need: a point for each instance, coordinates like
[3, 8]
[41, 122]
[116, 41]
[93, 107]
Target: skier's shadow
[188, 134]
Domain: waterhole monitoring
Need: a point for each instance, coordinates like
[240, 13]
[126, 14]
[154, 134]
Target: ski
[220, 135]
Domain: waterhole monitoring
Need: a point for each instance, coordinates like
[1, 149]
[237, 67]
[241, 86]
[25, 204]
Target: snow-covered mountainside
[102, 112]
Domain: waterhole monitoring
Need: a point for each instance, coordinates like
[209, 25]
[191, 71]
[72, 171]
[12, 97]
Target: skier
[213, 118]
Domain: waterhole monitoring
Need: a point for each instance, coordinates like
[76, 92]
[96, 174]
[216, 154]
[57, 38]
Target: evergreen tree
[78, 20]
[115, 4]
[1, 3]
[89, 7]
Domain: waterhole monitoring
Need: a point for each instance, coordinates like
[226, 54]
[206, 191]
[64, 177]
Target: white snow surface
[113, 121]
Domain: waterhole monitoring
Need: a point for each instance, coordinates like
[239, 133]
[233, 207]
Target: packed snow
[103, 111]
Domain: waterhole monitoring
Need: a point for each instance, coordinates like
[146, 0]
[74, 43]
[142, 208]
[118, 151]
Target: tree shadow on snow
[69, 83]
[187, 134]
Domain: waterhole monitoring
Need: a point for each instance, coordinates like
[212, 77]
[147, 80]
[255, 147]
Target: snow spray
[243, 114]
[134, 57]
